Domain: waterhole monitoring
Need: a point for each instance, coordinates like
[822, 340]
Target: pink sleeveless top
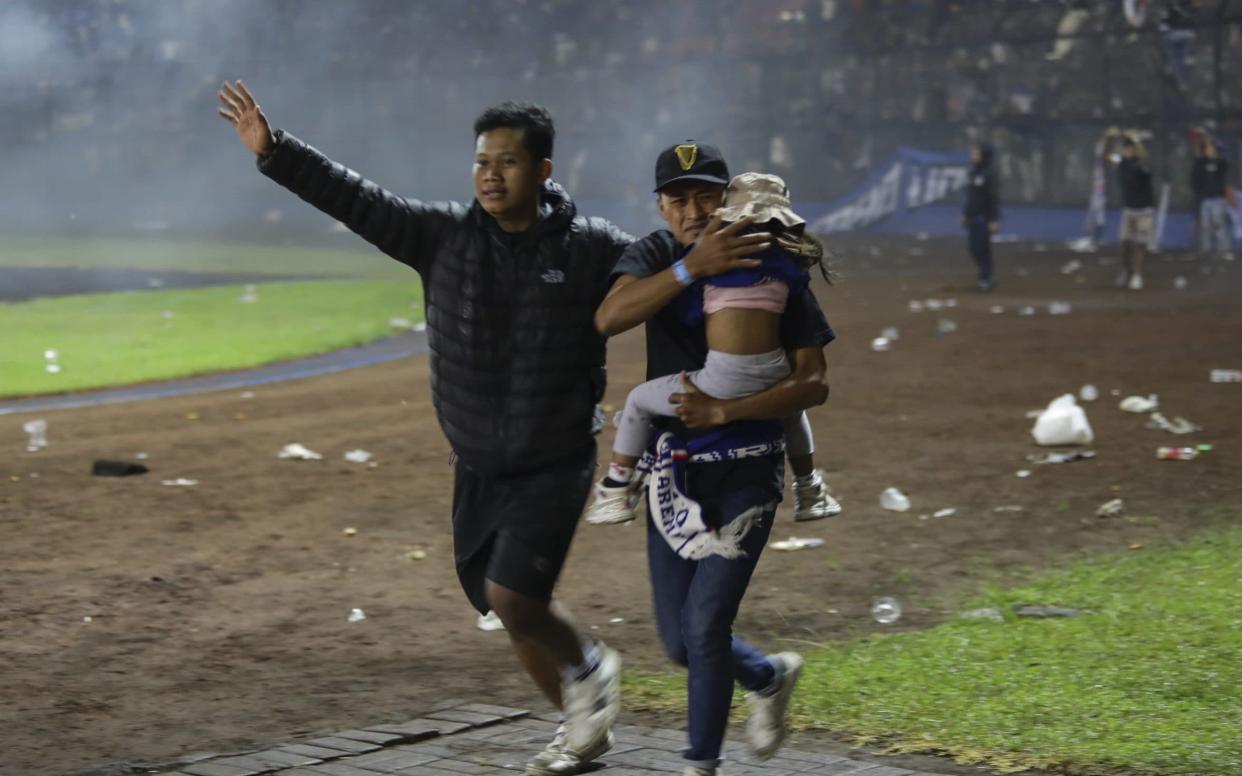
[770, 295]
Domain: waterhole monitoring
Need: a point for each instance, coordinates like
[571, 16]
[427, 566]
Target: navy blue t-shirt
[673, 347]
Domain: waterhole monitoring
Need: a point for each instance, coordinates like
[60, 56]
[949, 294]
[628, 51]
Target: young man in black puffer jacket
[511, 284]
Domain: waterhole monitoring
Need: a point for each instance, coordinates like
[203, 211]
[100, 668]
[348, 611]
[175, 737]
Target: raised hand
[723, 249]
[240, 109]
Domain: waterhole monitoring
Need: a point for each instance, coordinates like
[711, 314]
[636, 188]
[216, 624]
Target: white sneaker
[1136, 282]
[613, 505]
[766, 728]
[813, 501]
[592, 704]
[558, 760]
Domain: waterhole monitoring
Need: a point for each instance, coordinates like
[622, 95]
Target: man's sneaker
[1136, 282]
[812, 501]
[558, 760]
[613, 505]
[766, 728]
[592, 703]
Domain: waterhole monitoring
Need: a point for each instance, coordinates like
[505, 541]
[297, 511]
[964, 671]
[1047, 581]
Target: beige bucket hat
[766, 197]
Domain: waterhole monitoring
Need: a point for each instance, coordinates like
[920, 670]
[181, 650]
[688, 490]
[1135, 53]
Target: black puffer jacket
[516, 362]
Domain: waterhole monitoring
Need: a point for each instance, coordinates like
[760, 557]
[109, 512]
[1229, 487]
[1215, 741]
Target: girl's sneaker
[613, 504]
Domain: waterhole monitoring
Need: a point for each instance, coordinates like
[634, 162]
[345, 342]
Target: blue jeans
[695, 605]
[981, 246]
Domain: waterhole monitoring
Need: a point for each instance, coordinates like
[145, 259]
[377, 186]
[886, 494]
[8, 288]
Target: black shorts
[516, 529]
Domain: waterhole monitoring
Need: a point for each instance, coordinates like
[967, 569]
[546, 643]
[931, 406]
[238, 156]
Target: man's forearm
[807, 387]
[635, 300]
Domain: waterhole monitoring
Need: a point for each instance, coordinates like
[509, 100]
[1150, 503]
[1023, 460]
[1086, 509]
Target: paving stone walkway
[478, 739]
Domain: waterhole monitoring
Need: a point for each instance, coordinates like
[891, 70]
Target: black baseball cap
[691, 161]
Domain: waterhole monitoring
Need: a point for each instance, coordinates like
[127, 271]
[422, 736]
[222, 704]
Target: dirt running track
[218, 611]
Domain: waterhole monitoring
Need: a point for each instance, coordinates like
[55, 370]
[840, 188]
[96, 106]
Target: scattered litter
[417, 553]
[1177, 453]
[1082, 245]
[356, 615]
[1140, 404]
[167, 315]
[88, 618]
[1060, 308]
[916, 306]
[420, 326]
[250, 295]
[1078, 455]
[985, 615]
[247, 394]
[1008, 508]
[998, 309]
[350, 531]
[945, 326]
[950, 303]
[886, 611]
[1042, 612]
[37, 429]
[1088, 392]
[616, 620]
[894, 500]
[890, 333]
[1028, 310]
[401, 323]
[154, 283]
[180, 482]
[880, 344]
[297, 451]
[1180, 283]
[1204, 448]
[1063, 423]
[108, 468]
[1023, 473]
[51, 360]
[1178, 425]
[1226, 375]
[191, 416]
[489, 622]
[1136, 546]
[357, 456]
[1071, 266]
[946, 512]
[796, 543]
[1114, 508]
[933, 304]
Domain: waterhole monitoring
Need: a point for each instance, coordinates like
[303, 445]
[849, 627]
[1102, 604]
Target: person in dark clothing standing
[1209, 179]
[1137, 213]
[511, 284]
[981, 213]
[734, 451]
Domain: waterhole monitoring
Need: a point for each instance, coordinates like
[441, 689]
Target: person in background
[1209, 180]
[981, 213]
[1138, 207]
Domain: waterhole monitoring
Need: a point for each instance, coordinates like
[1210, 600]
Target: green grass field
[105, 340]
[119, 339]
[1149, 680]
[197, 256]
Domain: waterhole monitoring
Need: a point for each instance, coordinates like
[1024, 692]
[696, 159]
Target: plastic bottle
[894, 500]
[1088, 392]
[1176, 453]
[886, 611]
[37, 429]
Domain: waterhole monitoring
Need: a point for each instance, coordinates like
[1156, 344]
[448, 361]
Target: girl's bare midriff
[743, 332]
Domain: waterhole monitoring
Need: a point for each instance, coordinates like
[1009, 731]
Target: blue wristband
[681, 273]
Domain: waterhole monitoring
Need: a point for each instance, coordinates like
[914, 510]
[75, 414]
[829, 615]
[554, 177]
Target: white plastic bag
[1063, 423]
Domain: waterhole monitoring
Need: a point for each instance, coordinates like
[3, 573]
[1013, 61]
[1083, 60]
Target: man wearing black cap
[696, 601]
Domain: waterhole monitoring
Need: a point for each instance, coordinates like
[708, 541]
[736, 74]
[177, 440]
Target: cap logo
[687, 155]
